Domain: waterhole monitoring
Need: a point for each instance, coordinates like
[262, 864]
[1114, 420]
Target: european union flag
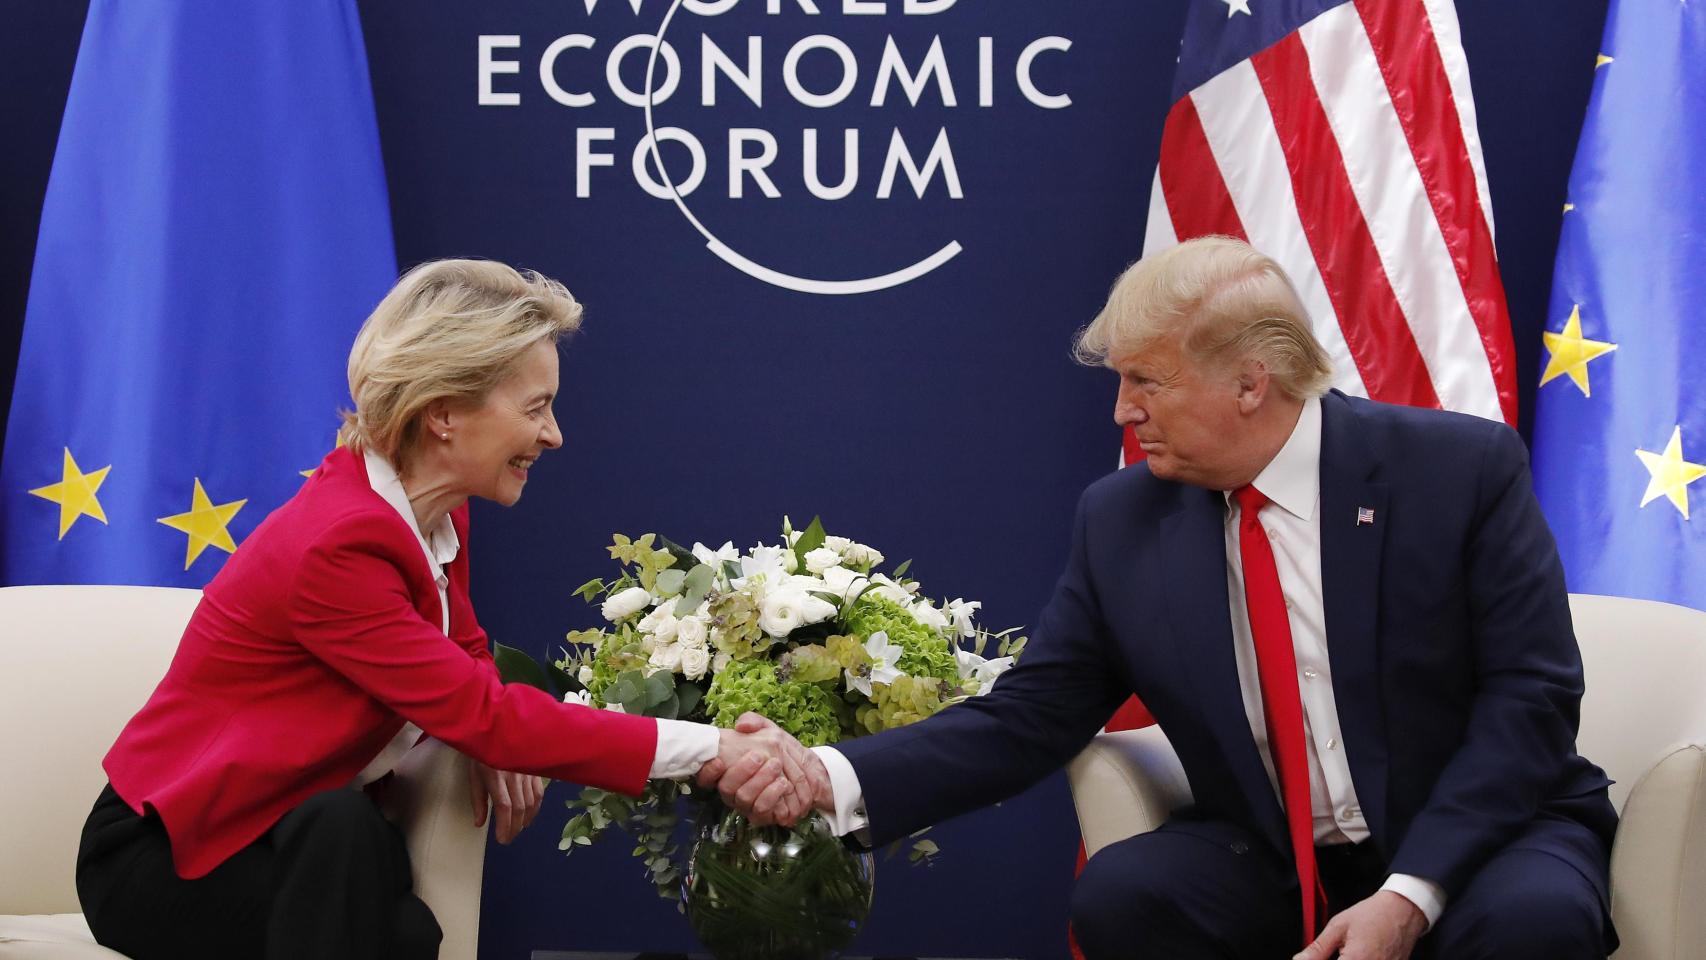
[215, 229]
[1620, 425]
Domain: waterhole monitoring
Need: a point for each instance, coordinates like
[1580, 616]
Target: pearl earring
[444, 436]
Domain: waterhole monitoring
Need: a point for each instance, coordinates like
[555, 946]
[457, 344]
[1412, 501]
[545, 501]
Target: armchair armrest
[1124, 784]
[1658, 862]
[432, 803]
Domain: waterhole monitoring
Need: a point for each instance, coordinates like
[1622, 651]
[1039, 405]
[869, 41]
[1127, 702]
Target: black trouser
[330, 880]
[1208, 890]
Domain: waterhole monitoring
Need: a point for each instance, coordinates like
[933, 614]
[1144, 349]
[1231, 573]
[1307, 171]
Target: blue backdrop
[940, 419]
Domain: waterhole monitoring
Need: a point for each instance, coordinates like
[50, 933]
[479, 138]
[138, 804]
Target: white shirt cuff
[683, 748]
[849, 814]
[1428, 896]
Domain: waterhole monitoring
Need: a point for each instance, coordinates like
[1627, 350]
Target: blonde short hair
[449, 330]
[1225, 301]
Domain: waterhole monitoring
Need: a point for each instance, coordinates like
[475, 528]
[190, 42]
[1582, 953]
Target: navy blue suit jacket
[1455, 669]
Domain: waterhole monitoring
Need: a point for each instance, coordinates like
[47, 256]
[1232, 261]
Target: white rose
[615, 708]
[692, 633]
[667, 658]
[626, 604]
[860, 555]
[720, 662]
[821, 559]
[660, 623]
[838, 544]
[585, 675]
[695, 661]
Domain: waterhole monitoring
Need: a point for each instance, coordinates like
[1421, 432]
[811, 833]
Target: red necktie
[1276, 662]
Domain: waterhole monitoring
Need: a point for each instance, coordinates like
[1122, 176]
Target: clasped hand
[765, 774]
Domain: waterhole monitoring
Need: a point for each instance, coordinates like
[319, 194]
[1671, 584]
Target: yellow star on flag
[1571, 352]
[75, 493]
[1602, 60]
[205, 523]
[1568, 207]
[1671, 474]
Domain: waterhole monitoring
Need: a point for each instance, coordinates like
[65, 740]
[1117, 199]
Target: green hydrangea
[806, 710]
[927, 653]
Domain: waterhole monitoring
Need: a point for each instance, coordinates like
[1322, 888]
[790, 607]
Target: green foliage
[926, 653]
[517, 667]
[805, 710]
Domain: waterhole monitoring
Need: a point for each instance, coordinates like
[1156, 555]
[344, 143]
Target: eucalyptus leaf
[689, 695]
[660, 687]
[517, 667]
[670, 581]
[731, 569]
[693, 591]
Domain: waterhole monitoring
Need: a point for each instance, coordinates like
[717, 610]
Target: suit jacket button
[1240, 847]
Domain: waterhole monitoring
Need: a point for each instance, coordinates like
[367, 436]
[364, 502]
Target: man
[1351, 622]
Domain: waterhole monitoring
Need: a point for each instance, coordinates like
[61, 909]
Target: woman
[338, 633]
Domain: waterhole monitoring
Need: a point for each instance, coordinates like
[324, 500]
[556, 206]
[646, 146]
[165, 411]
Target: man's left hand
[1386, 926]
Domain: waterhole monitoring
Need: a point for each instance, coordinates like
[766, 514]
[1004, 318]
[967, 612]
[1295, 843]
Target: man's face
[1185, 414]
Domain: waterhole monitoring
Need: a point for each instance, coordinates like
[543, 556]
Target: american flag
[1339, 138]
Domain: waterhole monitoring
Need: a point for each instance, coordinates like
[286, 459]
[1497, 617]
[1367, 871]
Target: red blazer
[305, 656]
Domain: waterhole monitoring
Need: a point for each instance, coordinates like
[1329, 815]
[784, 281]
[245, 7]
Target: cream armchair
[75, 663]
[1643, 720]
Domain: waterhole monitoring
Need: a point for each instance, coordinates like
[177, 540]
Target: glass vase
[774, 893]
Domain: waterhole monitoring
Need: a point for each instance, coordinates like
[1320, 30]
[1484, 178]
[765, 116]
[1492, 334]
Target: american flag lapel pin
[1365, 515]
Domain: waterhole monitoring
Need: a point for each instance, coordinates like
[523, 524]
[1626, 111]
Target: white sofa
[1643, 720]
[75, 663]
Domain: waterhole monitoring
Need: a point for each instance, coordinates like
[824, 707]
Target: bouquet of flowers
[806, 632]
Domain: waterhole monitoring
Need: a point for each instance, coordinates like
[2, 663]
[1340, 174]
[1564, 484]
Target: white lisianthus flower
[860, 555]
[625, 604]
[783, 611]
[660, 623]
[695, 661]
[927, 614]
[667, 658]
[838, 544]
[977, 675]
[715, 558]
[720, 662]
[885, 657]
[843, 582]
[582, 697]
[585, 675]
[765, 562]
[890, 590]
[693, 633]
[821, 559]
[960, 611]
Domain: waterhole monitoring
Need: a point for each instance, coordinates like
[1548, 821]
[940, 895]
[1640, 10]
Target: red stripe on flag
[1375, 330]
[1409, 58]
[1197, 199]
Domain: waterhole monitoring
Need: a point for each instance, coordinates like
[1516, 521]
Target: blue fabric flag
[215, 229]
[1620, 421]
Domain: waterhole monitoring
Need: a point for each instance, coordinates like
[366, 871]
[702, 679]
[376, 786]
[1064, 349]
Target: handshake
[766, 775]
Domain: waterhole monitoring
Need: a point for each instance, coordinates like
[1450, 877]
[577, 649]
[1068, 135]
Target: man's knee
[1560, 919]
[1117, 906]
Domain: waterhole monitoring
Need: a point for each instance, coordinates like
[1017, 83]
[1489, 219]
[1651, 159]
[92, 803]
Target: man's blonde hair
[449, 330]
[1224, 301]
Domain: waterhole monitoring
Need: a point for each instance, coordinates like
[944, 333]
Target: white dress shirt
[1292, 482]
[682, 747]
